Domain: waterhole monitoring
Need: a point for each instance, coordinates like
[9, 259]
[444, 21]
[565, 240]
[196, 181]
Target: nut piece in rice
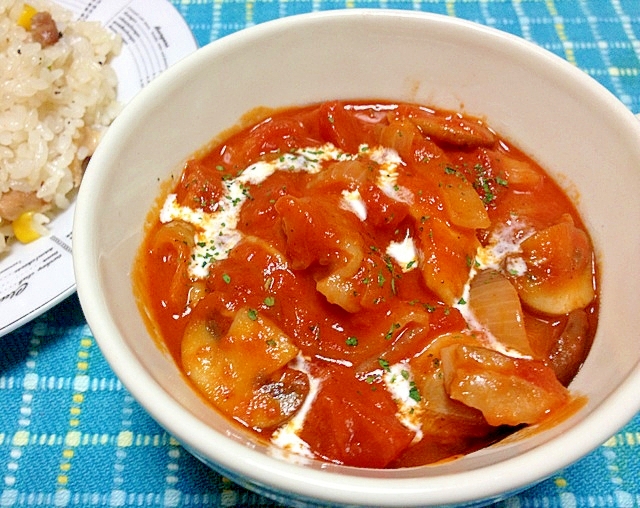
[56, 100]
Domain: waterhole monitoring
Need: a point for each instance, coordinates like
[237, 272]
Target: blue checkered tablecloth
[71, 435]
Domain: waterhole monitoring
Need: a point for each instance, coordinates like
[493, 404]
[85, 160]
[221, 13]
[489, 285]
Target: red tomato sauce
[424, 290]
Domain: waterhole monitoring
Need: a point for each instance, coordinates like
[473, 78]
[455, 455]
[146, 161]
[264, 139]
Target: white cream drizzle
[503, 247]
[217, 232]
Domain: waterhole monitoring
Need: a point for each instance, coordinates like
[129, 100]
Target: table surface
[70, 433]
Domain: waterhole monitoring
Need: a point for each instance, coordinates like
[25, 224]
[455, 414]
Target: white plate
[37, 276]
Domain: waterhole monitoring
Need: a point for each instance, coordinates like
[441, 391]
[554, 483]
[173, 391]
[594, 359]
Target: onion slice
[495, 303]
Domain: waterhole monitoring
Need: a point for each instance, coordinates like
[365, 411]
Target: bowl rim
[348, 485]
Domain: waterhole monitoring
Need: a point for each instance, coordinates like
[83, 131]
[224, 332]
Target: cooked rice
[55, 103]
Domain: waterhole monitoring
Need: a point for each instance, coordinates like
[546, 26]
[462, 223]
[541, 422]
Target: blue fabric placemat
[71, 435]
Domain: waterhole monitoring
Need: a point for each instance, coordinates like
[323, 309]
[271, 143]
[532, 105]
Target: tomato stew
[371, 284]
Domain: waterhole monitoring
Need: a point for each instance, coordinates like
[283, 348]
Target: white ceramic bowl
[553, 111]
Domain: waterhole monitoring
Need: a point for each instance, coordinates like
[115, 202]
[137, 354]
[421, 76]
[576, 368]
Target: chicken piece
[244, 371]
[44, 29]
[559, 277]
[14, 203]
[508, 391]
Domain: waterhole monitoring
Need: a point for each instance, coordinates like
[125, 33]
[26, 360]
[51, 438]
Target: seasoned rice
[55, 103]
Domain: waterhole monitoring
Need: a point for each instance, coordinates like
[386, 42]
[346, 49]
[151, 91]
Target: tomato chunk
[340, 127]
[353, 423]
[447, 254]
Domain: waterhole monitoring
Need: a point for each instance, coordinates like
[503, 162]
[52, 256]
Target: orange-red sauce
[310, 305]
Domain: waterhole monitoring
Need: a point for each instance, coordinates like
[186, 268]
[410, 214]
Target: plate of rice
[66, 69]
